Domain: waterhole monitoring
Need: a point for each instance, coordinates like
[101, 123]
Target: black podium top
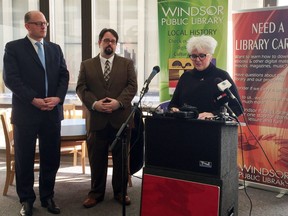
[196, 146]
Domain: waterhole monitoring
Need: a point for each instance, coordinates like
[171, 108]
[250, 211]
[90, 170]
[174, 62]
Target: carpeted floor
[70, 191]
[72, 187]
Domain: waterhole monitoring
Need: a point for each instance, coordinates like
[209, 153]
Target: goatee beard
[108, 50]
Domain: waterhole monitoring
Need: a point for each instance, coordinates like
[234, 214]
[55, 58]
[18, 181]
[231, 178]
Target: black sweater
[199, 89]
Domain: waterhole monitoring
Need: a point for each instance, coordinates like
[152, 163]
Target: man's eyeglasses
[39, 24]
[201, 56]
[107, 41]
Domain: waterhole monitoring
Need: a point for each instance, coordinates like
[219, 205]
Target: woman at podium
[205, 87]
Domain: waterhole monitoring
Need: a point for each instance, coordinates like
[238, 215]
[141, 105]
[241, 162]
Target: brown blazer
[122, 86]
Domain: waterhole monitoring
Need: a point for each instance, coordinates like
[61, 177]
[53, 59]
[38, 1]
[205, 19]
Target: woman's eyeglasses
[201, 56]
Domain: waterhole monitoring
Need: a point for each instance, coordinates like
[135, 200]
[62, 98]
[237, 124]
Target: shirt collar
[103, 60]
[34, 41]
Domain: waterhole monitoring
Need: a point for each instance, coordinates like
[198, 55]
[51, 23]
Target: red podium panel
[175, 197]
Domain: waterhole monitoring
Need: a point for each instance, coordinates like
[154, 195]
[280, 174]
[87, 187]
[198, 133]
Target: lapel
[31, 51]
[98, 69]
[48, 59]
[47, 51]
[99, 75]
[99, 72]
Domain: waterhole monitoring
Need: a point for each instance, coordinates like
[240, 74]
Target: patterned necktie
[107, 71]
[42, 59]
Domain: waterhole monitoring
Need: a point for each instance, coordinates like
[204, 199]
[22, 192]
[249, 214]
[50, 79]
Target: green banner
[178, 20]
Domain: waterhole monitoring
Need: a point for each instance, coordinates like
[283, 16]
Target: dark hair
[112, 31]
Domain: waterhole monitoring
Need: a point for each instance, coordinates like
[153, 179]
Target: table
[73, 137]
[71, 98]
[73, 130]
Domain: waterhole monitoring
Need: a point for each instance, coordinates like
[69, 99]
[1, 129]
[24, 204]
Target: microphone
[221, 99]
[155, 70]
[224, 87]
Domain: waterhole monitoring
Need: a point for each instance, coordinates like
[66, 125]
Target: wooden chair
[164, 105]
[75, 147]
[69, 111]
[10, 161]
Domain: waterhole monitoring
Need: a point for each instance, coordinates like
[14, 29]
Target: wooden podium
[190, 164]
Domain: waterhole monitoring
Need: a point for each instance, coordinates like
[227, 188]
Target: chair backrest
[10, 155]
[164, 105]
[8, 135]
[69, 111]
[9, 143]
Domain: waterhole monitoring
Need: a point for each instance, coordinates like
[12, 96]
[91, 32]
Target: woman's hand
[174, 109]
[205, 115]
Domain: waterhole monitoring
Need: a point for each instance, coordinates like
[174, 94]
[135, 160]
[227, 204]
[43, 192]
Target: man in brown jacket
[106, 85]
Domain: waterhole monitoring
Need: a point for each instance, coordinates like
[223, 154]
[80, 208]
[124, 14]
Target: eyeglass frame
[39, 24]
[201, 56]
[107, 41]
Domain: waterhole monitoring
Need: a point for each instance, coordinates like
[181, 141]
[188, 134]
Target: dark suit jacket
[24, 75]
[122, 86]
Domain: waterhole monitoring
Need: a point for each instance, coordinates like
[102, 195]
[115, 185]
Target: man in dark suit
[38, 91]
[108, 102]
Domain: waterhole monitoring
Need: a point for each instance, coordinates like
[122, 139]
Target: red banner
[261, 73]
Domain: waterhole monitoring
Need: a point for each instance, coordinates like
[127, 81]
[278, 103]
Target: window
[12, 25]
[65, 30]
[135, 21]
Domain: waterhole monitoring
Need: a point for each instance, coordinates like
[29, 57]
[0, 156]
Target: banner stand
[281, 191]
[260, 57]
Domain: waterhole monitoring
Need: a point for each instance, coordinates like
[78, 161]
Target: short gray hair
[205, 42]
